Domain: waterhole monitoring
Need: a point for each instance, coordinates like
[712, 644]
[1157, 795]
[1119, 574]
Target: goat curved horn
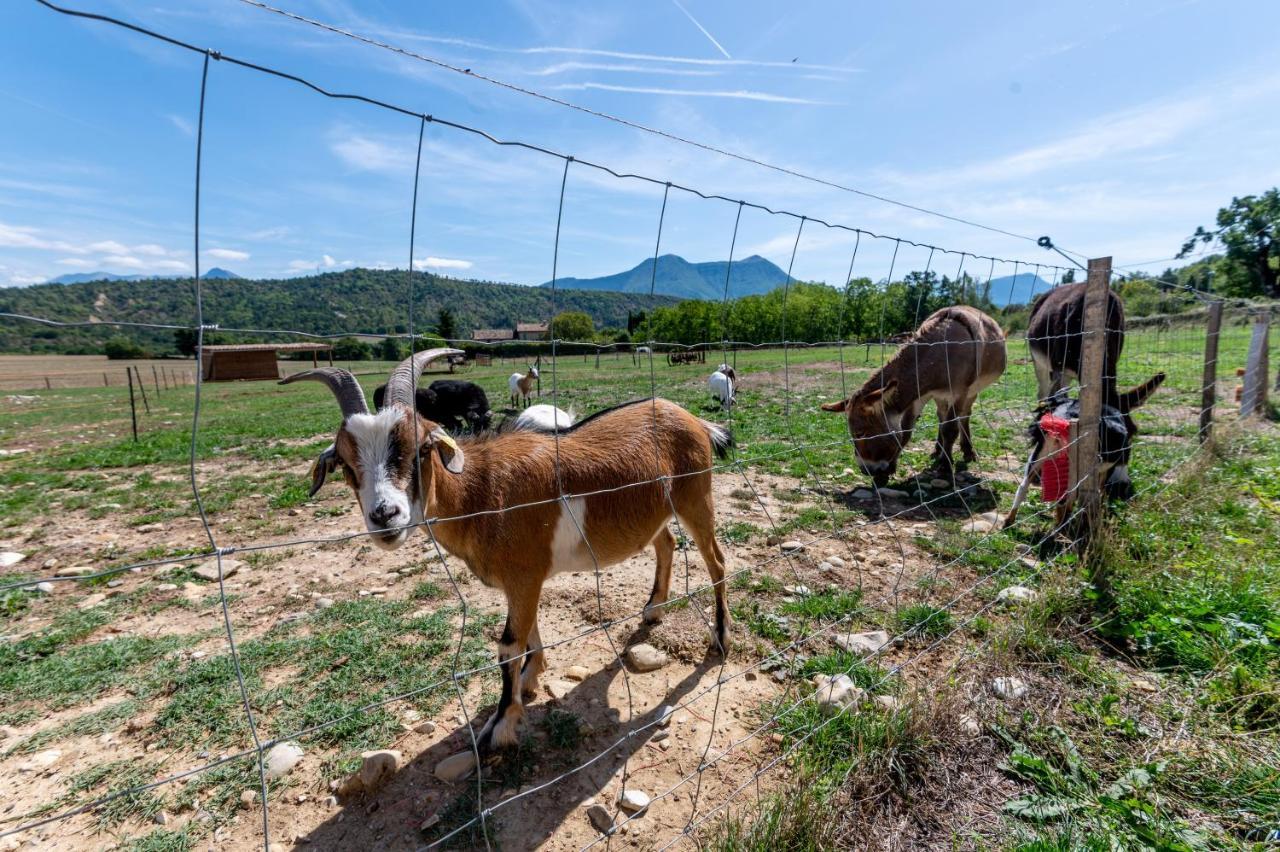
[344, 386]
[404, 378]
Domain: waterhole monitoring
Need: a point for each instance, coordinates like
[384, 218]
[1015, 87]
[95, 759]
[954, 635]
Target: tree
[184, 340]
[389, 350]
[1249, 230]
[350, 349]
[446, 325]
[122, 348]
[572, 325]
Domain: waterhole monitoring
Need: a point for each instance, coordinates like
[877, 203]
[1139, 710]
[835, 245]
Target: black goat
[1116, 431]
[456, 405]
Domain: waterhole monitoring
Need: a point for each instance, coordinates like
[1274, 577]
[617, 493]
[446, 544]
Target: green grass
[923, 620]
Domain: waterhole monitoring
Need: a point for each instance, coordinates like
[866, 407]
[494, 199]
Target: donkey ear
[889, 392]
[839, 405]
[324, 465]
[450, 453]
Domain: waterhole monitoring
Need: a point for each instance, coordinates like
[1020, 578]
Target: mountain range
[1017, 289]
[216, 273]
[678, 277]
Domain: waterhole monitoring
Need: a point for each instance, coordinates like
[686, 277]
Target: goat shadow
[972, 496]
[392, 817]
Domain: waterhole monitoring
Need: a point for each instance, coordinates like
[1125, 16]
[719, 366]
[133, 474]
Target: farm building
[532, 330]
[492, 335]
[252, 361]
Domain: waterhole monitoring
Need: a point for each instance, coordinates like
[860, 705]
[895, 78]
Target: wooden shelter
[252, 361]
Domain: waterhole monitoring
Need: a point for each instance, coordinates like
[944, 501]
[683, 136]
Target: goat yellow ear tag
[447, 441]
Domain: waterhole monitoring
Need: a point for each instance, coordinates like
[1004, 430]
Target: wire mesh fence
[856, 554]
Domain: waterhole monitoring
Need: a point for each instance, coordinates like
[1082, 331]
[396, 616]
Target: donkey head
[880, 428]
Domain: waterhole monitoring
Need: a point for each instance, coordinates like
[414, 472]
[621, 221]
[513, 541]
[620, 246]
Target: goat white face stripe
[372, 434]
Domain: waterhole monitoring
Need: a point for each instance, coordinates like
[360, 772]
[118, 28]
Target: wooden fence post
[105, 383]
[143, 388]
[1256, 372]
[133, 408]
[1209, 382]
[47, 384]
[1084, 461]
[155, 376]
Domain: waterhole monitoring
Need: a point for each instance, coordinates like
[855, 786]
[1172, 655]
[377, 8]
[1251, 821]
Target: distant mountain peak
[675, 276]
[216, 273]
[219, 272]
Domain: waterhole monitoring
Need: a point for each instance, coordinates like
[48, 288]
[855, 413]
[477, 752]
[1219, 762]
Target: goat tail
[1131, 399]
[721, 438]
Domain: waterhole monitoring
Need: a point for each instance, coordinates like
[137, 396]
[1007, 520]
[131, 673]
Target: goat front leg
[535, 662]
[501, 730]
[664, 548]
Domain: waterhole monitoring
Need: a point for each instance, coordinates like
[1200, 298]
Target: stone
[456, 767]
[600, 818]
[377, 766]
[836, 561]
[45, 588]
[1009, 688]
[825, 566]
[939, 483]
[427, 727]
[633, 801]
[646, 658]
[324, 603]
[162, 818]
[836, 692]
[792, 546]
[77, 571]
[863, 644]
[969, 726]
[114, 584]
[209, 570]
[888, 702]
[281, 759]
[248, 798]
[863, 494]
[978, 525]
[577, 673]
[1017, 594]
[40, 760]
[167, 587]
[664, 715]
[1145, 686]
[798, 591]
[11, 557]
[558, 689]
[149, 528]
[91, 601]
[893, 494]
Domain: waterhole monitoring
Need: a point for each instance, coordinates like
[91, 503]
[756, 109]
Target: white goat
[544, 418]
[521, 384]
[721, 384]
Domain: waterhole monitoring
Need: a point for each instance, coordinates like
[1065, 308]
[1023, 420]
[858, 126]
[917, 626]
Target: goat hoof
[652, 615]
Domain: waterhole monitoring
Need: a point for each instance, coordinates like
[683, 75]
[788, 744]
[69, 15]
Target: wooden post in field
[1256, 373]
[165, 373]
[1084, 452]
[105, 383]
[538, 363]
[155, 376]
[1209, 382]
[141, 387]
[133, 408]
[47, 384]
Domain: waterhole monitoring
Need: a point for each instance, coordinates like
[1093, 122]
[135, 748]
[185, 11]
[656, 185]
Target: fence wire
[799, 464]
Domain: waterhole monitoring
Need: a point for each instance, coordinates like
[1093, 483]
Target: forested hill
[356, 300]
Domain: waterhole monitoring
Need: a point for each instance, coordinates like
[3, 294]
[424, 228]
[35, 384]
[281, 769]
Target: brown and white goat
[521, 385]
[517, 511]
[954, 355]
[1055, 335]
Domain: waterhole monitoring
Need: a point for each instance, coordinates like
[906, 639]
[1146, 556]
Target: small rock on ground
[248, 798]
[281, 759]
[377, 766]
[863, 494]
[76, 571]
[10, 558]
[601, 819]
[863, 644]
[633, 801]
[91, 601]
[209, 570]
[978, 525]
[1017, 594]
[888, 702]
[456, 767]
[577, 673]
[893, 494]
[1009, 688]
[792, 546]
[646, 658]
[836, 692]
[324, 603]
[558, 689]
[836, 561]
[44, 588]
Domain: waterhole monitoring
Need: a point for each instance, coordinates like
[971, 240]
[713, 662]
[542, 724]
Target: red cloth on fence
[1055, 475]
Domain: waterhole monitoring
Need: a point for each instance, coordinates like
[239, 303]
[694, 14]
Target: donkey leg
[664, 547]
[522, 617]
[698, 516]
[948, 430]
[965, 410]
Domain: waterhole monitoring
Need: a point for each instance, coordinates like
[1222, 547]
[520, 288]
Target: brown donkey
[951, 358]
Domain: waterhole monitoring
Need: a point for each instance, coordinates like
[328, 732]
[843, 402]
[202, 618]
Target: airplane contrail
[709, 36]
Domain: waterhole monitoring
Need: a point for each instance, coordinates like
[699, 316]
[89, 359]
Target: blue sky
[1115, 127]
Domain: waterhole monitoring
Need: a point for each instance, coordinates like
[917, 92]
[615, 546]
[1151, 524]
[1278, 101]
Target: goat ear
[324, 465]
[450, 453]
[840, 405]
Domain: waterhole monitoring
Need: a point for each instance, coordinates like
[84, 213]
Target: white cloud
[109, 247]
[738, 94]
[14, 236]
[227, 254]
[151, 250]
[269, 234]
[563, 67]
[326, 261]
[182, 124]
[124, 260]
[75, 262]
[365, 153]
[442, 263]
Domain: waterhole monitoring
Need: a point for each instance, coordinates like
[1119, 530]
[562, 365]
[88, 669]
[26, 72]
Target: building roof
[531, 326]
[492, 334]
[268, 347]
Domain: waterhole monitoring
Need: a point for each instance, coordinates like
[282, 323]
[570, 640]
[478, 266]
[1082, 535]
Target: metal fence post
[155, 375]
[1084, 461]
[1254, 400]
[1209, 382]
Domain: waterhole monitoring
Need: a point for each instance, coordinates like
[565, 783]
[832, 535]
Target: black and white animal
[456, 405]
[520, 507]
[1055, 335]
[722, 383]
[1116, 431]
